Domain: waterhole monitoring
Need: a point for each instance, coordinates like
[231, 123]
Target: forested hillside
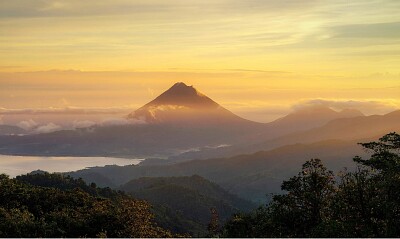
[183, 204]
[318, 203]
[65, 207]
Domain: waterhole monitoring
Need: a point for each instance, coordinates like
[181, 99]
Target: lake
[16, 165]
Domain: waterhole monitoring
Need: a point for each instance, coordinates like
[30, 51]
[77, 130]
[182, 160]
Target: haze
[260, 59]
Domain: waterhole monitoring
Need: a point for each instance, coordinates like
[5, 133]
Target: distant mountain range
[359, 128]
[184, 124]
[312, 117]
[200, 155]
[250, 176]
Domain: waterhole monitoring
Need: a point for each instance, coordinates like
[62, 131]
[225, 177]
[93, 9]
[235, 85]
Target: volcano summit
[183, 104]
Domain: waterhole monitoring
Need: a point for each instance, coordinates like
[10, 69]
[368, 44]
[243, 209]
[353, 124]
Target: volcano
[180, 121]
[183, 104]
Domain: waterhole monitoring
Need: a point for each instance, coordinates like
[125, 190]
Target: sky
[259, 58]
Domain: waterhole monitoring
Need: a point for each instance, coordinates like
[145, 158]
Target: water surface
[16, 165]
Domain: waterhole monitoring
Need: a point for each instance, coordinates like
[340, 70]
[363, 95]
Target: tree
[385, 154]
[363, 203]
[306, 203]
[64, 207]
[294, 214]
[378, 183]
[213, 226]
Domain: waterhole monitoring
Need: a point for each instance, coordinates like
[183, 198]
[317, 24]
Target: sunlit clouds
[258, 58]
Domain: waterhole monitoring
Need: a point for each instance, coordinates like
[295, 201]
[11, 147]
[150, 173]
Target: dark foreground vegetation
[364, 203]
[66, 207]
[317, 203]
[183, 204]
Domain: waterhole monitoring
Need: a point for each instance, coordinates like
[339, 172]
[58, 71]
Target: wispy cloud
[365, 106]
[27, 124]
[373, 30]
[66, 110]
[76, 124]
[48, 128]
[75, 8]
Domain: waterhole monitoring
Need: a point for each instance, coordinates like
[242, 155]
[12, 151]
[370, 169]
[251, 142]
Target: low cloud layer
[27, 124]
[33, 126]
[66, 110]
[82, 124]
[367, 107]
[121, 121]
[114, 121]
[48, 128]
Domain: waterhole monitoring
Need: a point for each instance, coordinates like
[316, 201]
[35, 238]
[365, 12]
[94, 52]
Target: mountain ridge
[196, 124]
[249, 176]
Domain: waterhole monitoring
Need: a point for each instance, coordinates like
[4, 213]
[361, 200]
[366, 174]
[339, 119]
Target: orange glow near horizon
[260, 59]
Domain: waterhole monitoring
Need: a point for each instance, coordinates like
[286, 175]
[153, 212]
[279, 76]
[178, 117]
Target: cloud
[261, 71]
[31, 125]
[75, 8]
[366, 106]
[48, 128]
[27, 124]
[66, 110]
[376, 30]
[82, 124]
[121, 121]
[114, 121]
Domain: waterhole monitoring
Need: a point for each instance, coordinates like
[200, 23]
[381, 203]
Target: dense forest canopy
[362, 203]
[66, 207]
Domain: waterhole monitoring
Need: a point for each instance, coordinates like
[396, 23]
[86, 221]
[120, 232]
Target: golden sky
[258, 58]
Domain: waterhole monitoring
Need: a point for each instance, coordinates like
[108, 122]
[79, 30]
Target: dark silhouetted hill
[186, 200]
[249, 176]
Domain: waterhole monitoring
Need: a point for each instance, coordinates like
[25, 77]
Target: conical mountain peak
[181, 89]
[183, 104]
[181, 94]
[181, 85]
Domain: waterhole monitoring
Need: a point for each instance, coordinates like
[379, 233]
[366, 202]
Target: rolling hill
[358, 128]
[250, 176]
[186, 200]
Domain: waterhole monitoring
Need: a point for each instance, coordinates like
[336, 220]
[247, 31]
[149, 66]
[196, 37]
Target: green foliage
[303, 207]
[213, 227]
[66, 182]
[182, 204]
[62, 207]
[363, 203]
[308, 194]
